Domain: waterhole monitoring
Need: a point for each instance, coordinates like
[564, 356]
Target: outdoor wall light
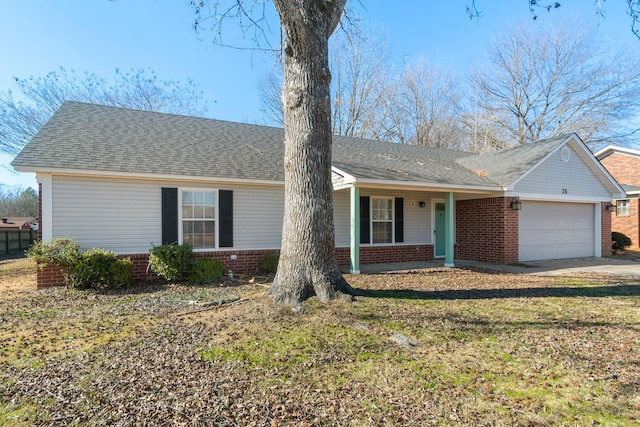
[516, 204]
[611, 207]
[422, 204]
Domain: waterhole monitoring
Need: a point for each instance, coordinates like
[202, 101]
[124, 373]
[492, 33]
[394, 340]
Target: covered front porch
[401, 224]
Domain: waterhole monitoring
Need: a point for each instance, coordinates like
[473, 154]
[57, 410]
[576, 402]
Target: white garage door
[550, 230]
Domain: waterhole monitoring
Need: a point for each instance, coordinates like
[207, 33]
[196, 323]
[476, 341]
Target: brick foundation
[386, 254]
[487, 230]
[247, 261]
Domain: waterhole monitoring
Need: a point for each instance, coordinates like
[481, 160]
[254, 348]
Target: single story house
[624, 165]
[126, 180]
[19, 223]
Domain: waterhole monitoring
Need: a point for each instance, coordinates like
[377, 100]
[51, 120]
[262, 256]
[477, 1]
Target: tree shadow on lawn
[628, 290]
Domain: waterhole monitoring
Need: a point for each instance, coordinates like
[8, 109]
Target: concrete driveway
[612, 266]
[558, 267]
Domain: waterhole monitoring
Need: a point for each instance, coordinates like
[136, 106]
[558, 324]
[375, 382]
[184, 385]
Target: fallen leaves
[441, 346]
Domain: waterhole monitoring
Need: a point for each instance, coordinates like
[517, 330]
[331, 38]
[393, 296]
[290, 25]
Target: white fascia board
[594, 164]
[147, 176]
[376, 183]
[555, 198]
[610, 149]
[348, 179]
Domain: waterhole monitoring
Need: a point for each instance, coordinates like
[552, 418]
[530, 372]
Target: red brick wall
[607, 218]
[49, 276]
[487, 230]
[247, 261]
[386, 254]
[626, 170]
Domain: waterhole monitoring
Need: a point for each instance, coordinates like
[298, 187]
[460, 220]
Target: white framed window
[623, 207]
[381, 220]
[198, 218]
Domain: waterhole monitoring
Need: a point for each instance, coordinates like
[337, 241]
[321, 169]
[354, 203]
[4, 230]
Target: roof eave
[147, 176]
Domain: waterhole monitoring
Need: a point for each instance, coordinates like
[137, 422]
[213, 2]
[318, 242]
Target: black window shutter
[169, 216]
[225, 226]
[399, 219]
[365, 229]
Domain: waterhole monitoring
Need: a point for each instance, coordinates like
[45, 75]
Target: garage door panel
[549, 230]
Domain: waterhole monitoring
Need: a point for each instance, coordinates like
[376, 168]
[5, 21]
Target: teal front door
[439, 230]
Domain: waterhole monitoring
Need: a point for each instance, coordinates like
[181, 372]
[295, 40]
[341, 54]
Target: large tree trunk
[307, 264]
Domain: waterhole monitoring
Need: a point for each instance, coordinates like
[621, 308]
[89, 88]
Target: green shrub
[62, 252]
[92, 268]
[620, 241]
[173, 262]
[206, 270]
[268, 263]
[100, 268]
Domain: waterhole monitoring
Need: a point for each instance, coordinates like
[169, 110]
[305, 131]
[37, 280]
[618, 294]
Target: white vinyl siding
[549, 230]
[119, 215]
[342, 218]
[124, 215]
[417, 220]
[563, 180]
[257, 217]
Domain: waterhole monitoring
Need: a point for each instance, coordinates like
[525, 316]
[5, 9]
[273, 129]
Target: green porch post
[355, 230]
[449, 235]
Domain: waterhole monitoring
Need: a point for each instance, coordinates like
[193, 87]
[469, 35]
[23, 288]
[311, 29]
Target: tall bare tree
[359, 65]
[542, 81]
[425, 107]
[37, 98]
[308, 263]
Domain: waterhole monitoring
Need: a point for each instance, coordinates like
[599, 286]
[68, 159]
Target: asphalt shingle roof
[93, 137]
[505, 166]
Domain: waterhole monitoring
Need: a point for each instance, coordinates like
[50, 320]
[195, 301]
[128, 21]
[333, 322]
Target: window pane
[196, 206]
[198, 197]
[187, 197]
[382, 210]
[382, 232]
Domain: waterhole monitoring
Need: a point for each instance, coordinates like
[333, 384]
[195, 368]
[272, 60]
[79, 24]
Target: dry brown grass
[17, 275]
[441, 347]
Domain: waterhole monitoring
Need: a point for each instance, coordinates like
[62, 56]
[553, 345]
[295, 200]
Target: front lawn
[441, 346]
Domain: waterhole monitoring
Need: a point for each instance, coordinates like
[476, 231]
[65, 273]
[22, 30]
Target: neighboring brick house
[624, 166]
[125, 180]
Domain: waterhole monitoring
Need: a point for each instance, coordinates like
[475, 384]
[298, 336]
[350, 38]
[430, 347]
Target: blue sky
[99, 36]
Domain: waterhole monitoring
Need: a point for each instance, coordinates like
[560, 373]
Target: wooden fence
[16, 240]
